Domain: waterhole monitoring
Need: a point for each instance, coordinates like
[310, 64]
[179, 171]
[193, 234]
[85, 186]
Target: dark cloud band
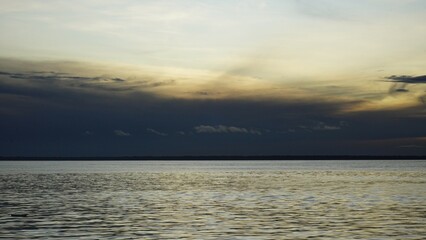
[407, 79]
[70, 113]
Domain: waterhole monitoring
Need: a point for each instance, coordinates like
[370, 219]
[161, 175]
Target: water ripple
[296, 204]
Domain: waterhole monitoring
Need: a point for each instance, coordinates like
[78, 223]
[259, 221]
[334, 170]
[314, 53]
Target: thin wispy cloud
[224, 129]
[412, 146]
[326, 9]
[121, 133]
[100, 82]
[151, 130]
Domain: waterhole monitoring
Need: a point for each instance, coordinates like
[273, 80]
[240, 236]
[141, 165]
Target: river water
[213, 199]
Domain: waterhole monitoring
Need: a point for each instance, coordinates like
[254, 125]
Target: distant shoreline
[213, 158]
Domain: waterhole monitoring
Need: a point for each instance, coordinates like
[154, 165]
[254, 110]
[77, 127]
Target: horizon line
[219, 157]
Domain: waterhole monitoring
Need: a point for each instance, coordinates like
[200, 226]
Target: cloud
[407, 79]
[99, 82]
[322, 126]
[400, 83]
[422, 99]
[156, 132]
[398, 87]
[36, 98]
[77, 78]
[88, 133]
[121, 133]
[224, 129]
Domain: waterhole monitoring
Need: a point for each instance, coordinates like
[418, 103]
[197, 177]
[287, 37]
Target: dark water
[213, 200]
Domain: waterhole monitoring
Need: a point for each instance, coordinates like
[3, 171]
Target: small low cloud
[156, 132]
[322, 126]
[88, 133]
[225, 129]
[401, 90]
[398, 87]
[325, 127]
[121, 133]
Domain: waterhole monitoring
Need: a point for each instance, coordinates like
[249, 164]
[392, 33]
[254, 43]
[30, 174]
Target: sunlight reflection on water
[230, 201]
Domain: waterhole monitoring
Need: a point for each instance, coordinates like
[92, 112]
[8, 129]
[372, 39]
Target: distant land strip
[213, 158]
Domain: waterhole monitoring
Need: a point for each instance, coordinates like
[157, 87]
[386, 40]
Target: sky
[212, 77]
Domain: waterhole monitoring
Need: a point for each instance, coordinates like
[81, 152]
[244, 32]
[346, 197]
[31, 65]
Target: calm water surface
[213, 200]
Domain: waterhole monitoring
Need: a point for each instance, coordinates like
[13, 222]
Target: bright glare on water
[213, 200]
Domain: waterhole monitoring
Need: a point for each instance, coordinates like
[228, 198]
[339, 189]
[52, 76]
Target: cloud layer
[60, 108]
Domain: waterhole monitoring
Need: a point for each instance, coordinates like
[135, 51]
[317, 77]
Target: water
[213, 200]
